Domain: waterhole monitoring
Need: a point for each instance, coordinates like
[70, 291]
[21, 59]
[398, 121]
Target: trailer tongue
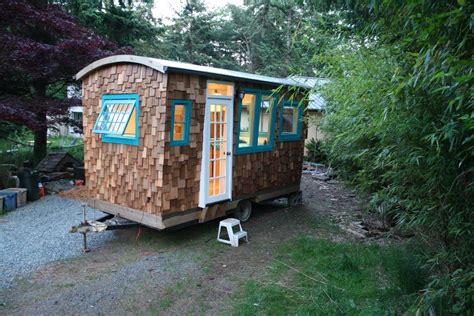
[107, 222]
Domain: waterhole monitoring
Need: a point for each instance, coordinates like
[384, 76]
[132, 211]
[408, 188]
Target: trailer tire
[295, 199]
[243, 210]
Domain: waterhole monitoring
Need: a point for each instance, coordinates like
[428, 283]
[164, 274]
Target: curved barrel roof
[166, 66]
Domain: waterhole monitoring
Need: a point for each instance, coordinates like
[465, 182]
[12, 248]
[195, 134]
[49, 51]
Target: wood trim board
[202, 215]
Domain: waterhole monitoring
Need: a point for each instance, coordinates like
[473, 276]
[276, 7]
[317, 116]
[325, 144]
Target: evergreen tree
[199, 37]
[126, 23]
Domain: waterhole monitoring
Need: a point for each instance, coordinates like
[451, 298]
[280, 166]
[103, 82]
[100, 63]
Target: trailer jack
[107, 222]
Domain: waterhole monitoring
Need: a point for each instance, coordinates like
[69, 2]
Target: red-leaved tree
[41, 48]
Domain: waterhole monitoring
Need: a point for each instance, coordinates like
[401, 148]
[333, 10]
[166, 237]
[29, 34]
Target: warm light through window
[178, 122]
[130, 130]
[222, 89]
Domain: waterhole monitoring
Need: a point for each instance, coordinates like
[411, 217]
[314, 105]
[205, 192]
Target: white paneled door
[217, 156]
[219, 150]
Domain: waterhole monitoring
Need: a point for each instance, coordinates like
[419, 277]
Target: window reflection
[247, 117]
[290, 116]
[265, 120]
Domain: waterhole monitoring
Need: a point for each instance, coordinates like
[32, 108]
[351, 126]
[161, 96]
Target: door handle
[228, 153]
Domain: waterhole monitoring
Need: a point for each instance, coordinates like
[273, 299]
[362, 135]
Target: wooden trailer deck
[197, 215]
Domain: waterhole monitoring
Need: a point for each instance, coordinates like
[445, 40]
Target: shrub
[400, 124]
[316, 152]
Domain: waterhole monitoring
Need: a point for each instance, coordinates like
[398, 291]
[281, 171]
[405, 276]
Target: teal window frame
[120, 139]
[285, 136]
[254, 147]
[187, 122]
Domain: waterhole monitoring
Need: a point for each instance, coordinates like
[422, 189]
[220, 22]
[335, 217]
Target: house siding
[130, 176]
[156, 177]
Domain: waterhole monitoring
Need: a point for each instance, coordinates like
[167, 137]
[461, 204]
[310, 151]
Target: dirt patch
[184, 271]
[78, 193]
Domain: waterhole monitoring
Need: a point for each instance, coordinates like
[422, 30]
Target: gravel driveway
[144, 271]
[37, 234]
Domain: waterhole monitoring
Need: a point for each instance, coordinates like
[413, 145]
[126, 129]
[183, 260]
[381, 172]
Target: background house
[315, 109]
[75, 115]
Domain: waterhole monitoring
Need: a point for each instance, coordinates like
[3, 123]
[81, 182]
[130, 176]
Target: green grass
[74, 146]
[12, 153]
[171, 294]
[64, 141]
[334, 279]
[16, 156]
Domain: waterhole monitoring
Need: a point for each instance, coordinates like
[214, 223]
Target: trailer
[169, 143]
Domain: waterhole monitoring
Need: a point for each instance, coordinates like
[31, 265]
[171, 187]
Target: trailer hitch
[107, 222]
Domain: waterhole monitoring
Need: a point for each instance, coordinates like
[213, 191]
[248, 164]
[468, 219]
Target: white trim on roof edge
[120, 59]
[164, 66]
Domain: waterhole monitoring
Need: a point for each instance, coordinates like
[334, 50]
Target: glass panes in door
[218, 150]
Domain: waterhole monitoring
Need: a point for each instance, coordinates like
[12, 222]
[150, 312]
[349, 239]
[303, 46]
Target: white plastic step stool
[234, 238]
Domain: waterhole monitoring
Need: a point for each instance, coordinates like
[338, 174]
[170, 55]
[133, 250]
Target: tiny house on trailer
[168, 143]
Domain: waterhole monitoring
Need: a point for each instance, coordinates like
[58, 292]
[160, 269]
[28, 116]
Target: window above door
[220, 89]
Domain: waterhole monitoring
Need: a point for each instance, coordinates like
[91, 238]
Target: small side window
[118, 119]
[290, 121]
[180, 122]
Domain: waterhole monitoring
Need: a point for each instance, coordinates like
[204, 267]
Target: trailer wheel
[295, 199]
[243, 210]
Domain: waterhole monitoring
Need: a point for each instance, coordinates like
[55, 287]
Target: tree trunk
[41, 133]
[41, 138]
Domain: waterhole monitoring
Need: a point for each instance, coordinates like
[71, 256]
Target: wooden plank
[181, 219]
[150, 220]
[203, 215]
[217, 210]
